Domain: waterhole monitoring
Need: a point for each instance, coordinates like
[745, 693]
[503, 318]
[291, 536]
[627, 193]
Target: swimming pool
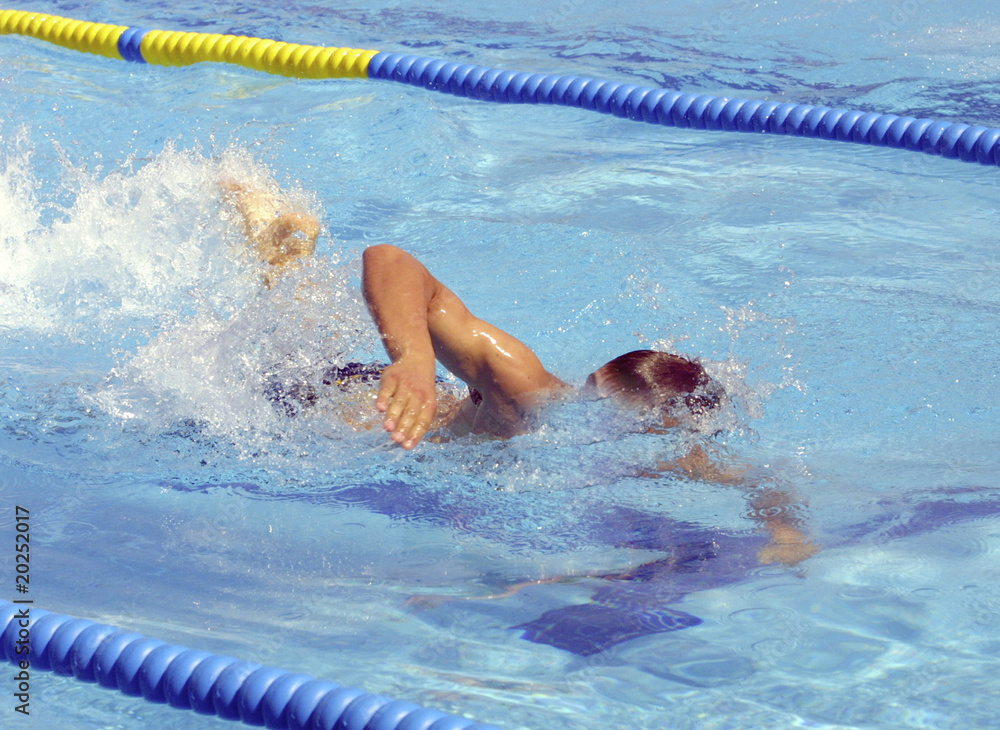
[846, 295]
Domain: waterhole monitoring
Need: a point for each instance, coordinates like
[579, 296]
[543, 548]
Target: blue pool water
[847, 296]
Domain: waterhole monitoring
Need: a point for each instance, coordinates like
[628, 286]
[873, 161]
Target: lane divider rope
[970, 143]
[197, 680]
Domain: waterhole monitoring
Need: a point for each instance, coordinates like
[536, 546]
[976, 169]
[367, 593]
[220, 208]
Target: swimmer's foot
[428, 601]
[423, 601]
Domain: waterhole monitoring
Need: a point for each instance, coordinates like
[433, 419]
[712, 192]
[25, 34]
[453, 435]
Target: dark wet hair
[659, 381]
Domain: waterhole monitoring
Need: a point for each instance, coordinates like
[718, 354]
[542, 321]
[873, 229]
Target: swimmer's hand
[788, 544]
[787, 553]
[408, 399]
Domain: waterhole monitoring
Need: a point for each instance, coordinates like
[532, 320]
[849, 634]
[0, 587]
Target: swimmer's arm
[398, 290]
[505, 372]
[420, 319]
[776, 511]
[699, 466]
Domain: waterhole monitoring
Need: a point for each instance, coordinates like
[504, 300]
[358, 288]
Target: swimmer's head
[668, 385]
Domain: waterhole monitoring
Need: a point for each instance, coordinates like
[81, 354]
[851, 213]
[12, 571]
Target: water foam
[144, 266]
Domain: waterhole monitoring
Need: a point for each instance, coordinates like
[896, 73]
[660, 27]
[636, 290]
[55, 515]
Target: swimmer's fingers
[408, 399]
[387, 388]
[413, 424]
[393, 396]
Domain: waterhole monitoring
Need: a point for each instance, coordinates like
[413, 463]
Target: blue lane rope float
[203, 682]
[655, 106]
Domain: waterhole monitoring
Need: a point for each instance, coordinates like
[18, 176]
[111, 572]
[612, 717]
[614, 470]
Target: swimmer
[422, 323]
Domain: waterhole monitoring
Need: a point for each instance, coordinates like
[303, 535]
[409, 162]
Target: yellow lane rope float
[174, 48]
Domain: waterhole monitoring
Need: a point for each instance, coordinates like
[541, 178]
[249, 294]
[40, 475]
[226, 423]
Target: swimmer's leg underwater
[645, 600]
